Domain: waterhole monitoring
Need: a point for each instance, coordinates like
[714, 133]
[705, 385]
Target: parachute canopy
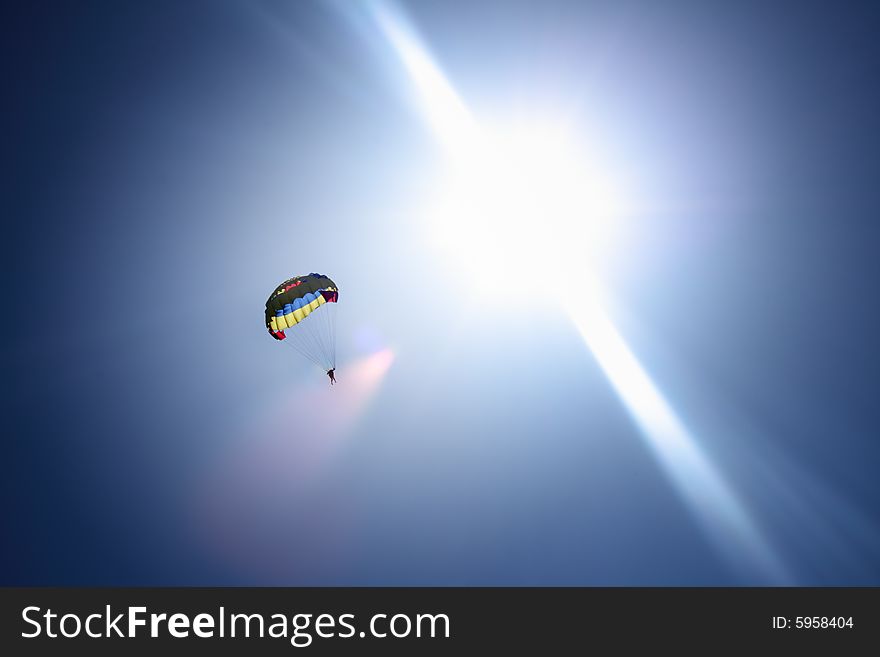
[301, 312]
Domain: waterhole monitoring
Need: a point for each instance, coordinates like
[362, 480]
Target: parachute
[301, 312]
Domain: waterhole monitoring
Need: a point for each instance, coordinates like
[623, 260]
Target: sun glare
[524, 207]
[522, 199]
[519, 194]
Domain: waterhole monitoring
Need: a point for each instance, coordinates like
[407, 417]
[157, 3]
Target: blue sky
[704, 415]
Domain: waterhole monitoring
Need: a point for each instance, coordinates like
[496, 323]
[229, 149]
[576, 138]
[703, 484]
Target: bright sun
[522, 198]
[524, 208]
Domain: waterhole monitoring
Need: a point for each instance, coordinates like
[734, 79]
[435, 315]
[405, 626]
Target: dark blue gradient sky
[168, 163]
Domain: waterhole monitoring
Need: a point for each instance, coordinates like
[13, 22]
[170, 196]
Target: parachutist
[300, 312]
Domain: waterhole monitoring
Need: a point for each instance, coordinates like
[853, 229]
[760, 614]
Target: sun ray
[498, 214]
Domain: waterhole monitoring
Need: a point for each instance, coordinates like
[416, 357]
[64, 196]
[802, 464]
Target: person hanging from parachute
[301, 312]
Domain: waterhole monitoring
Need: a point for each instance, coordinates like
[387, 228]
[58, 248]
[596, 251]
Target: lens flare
[267, 502]
[699, 483]
[527, 197]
